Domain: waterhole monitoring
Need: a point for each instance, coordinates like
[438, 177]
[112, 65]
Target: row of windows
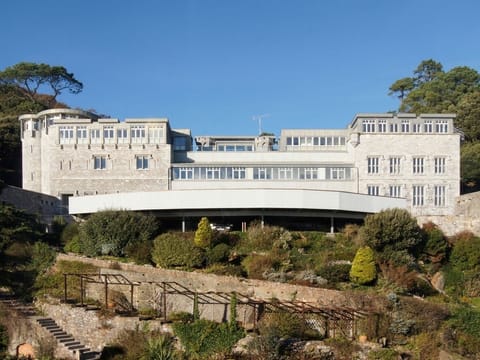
[405, 126]
[439, 193]
[315, 140]
[100, 162]
[110, 134]
[417, 166]
[262, 173]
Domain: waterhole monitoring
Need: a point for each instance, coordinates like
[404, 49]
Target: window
[405, 126]
[95, 136]
[418, 167]
[66, 134]
[310, 173]
[184, 173]
[440, 166]
[382, 126]
[179, 143]
[428, 126]
[108, 134]
[142, 162]
[373, 190]
[393, 127]
[439, 195]
[395, 165]
[395, 191]
[337, 174]
[213, 173]
[99, 162]
[155, 135]
[238, 173]
[417, 128]
[262, 173]
[285, 173]
[417, 198]
[137, 133]
[441, 126]
[372, 165]
[82, 137]
[368, 126]
[122, 136]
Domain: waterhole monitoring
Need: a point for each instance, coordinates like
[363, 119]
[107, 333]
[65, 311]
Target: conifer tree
[204, 234]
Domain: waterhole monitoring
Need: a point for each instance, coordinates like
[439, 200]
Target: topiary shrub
[363, 269]
[176, 250]
[204, 234]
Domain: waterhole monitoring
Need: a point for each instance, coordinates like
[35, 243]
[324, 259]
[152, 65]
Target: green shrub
[282, 324]
[363, 269]
[335, 273]
[204, 234]
[140, 252]
[218, 254]
[160, 347]
[393, 230]
[466, 254]
[176, 250]
[73, 245]
[204, 338]
[436, 246]
[256, 265]
[43, 256]
[109, 232]
[259, 238]
[70, 231]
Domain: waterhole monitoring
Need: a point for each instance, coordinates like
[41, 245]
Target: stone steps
[78, 350]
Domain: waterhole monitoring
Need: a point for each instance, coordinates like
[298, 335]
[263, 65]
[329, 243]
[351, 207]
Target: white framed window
[238, 173]
[440, 165]
[382, 126]
[395, 162]
[122, 136]
[416, 128]
[310, 173]
[368, 126]
[418, 165]
[373, 190]
[337, 173]
[99, 162]
[405, 126]
[213, 173]
[142, 162]
[373, 165]
[185, 173]
[395, 191]
[285, 173]
[262, 173]
[439, 195]
[393, 127]
[108, 134]
[82, 135]
[428, 126]
[441, 126]
[155, 135]
[95, 136]
[418, 195]
[137, 133]
[66, 134]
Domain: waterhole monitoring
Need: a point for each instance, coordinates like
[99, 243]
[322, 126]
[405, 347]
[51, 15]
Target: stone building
[378, 161]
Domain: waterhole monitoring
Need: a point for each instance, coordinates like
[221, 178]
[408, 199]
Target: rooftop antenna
[259, 118]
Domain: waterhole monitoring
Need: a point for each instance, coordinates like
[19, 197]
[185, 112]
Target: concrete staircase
[78, 350]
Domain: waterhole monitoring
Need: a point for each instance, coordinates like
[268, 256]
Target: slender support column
[332, 225]
[183, 224]
[263, 222]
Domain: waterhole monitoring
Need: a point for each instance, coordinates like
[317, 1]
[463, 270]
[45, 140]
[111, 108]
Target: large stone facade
[75, 153]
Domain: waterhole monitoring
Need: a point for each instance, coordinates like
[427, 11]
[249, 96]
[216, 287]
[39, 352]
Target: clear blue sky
[210, 65]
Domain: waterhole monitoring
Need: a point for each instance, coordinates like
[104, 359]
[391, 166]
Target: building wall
[65, 165]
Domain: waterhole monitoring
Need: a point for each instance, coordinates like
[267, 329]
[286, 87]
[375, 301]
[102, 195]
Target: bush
[140, 252]
[204, 234]
[218, 254]
[43, 256]
[393, 230]
[70, 231]
[176, 250]
[335, 273]
[436, 245]
[109, 232]
[383, 354]
[204, 338]
[74, 245]
[466, 254]
[259, 238]
[282, 324]
[363, 269]
[257, 265]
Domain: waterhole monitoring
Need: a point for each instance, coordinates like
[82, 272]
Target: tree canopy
[30, 79]
[431, 89]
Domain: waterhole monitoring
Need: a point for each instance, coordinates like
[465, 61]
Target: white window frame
[285, 173]
[99, 162]
[95, 136]
[108, 134]
[137, 134]
[441, 126]
[405, 126]
[373, 165]
[439, 195]
[373, 190]
[155, 135]
[418, 195]
[82, 135]
[122, 136]
[382, 126]
[395, 191]
[395, 165]
[142, 162]
[428, 126]
[66, 134]
[368, 126]
[418, 165]
[440, 165]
